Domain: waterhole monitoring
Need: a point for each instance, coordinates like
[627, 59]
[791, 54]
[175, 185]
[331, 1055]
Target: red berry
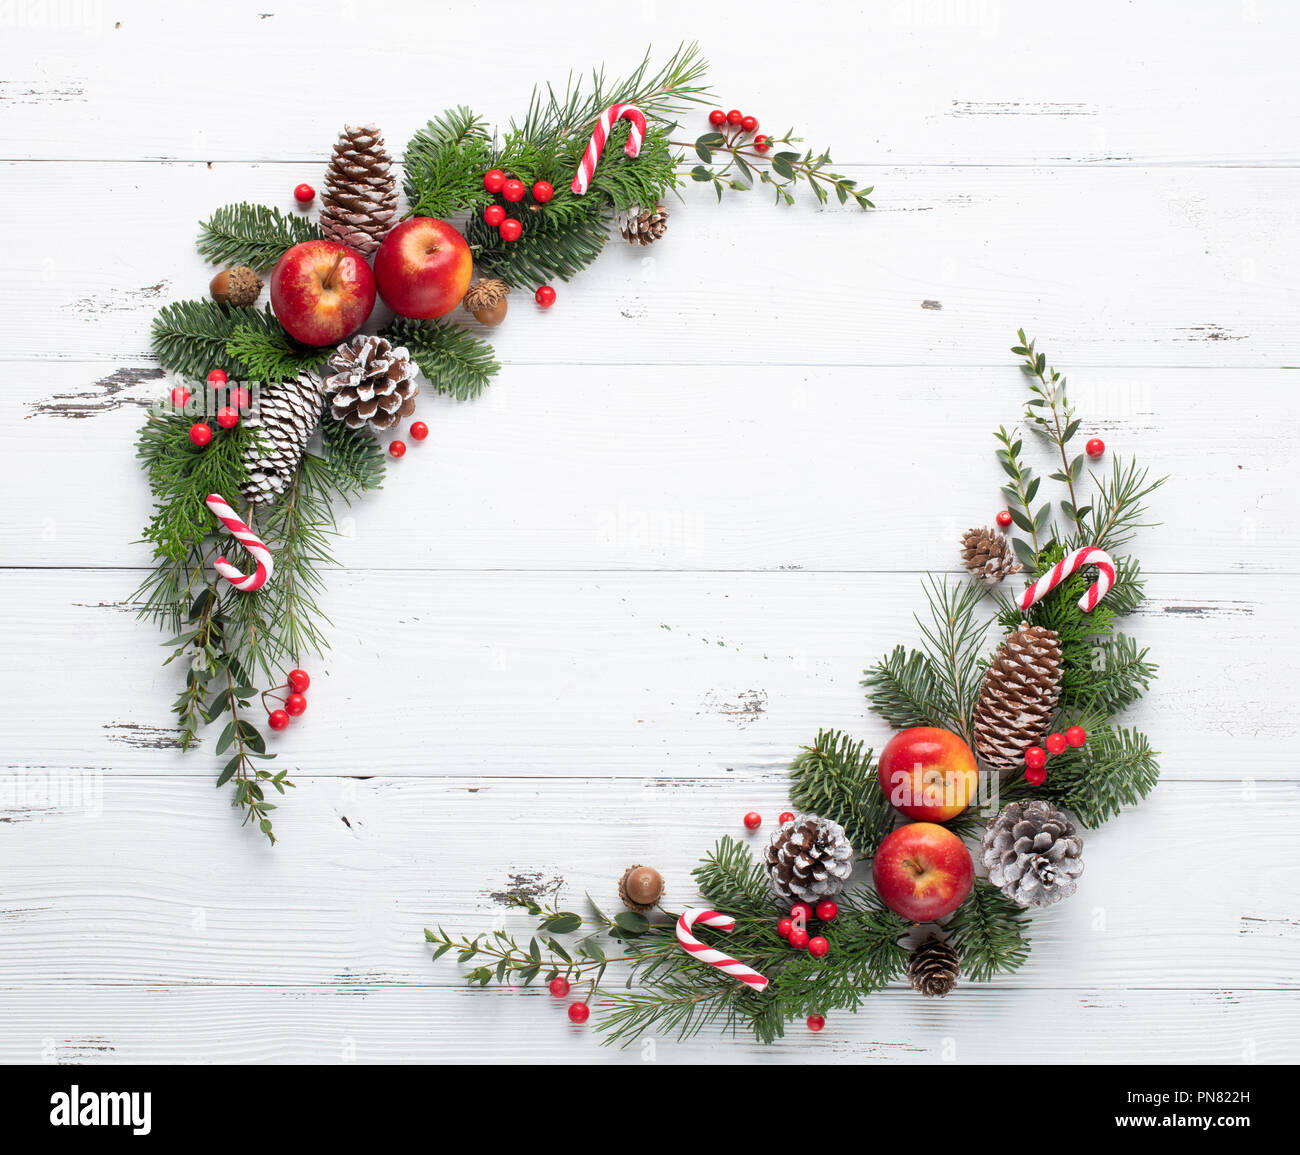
[753, 820]
[200, 434]
[277, 719]
[1055, 743]
[511, 229]
[304, 194]
[761, 143]
[827, 911]
[801, 910]
[299, 680]
[784, 927]
[1004, 518]
[735, 116]
[217, 377]
[816, 1022]
[579, 1012]
[717, 118]
[513, 190]
[227, 417]
[1076, 736]
[749, 123]
[1095, 448]
[181, 396]
[1035, 775]
[296, 705]
[543, 190]
[1035, 757]
[559, 987]
[396, 449]
[494, 180]
[545, 296]
[798, 938]
[419, 431]
[818, 947]
[494, 215]
[784, 817]
[240, 398]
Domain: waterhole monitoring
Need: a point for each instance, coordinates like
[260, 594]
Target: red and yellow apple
[928, 773]
[423, 268]
[923, 871]
[322, 292]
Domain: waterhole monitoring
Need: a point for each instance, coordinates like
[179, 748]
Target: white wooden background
[590, 620]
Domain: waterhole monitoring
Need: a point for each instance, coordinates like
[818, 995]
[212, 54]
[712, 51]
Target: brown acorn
[238, 286]
[486, 299]
[640, 888]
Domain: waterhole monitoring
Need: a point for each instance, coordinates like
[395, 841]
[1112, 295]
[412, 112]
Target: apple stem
[334, 268]
[914, 866]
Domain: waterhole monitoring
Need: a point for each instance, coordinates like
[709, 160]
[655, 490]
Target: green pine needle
[988, 932]
[834, 778]
[253, 235]
[455, 361]
[263, 351]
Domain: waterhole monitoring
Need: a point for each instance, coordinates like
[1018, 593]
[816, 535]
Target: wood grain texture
[590, 621]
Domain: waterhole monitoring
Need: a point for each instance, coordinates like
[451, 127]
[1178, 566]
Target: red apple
[928, 773]
[923, 871]
[423, 268]
[322, 292]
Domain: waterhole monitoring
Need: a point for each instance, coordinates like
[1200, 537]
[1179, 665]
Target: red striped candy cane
[706, 953]
[249, 540]
[1072, 563]
[582, 181]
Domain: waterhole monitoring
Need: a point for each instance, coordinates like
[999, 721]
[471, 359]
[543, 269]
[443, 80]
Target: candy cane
[1072, 563]
[706, 953]
[259, 577]
[596, 145]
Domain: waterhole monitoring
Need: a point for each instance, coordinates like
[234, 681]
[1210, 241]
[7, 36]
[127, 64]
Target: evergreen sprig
[251, 234]
[730, 879]
[262, 351]
[835, 778]
[729, 160]
[988, 932]
[191, 337]
[444, 165]
[455, 361]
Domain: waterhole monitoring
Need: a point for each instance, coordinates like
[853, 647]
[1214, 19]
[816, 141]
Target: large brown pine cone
[1034, 852]
[809, 858]
[988, 554]
[372, 382]
[1018, 696]
[359, 205]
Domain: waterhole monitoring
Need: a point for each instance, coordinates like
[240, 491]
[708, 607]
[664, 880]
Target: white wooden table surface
[591, 619]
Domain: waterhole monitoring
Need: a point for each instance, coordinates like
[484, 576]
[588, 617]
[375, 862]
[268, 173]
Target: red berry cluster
[397, 449]
[737, 124]
[229, 408]
[795, 928]
[1036, 756]
[579, 1013]
[295, 700]
[512, 191]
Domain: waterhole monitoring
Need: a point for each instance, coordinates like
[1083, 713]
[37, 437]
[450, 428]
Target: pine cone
[359, 205]
[809, 858]
[934, 968]
[989, 554]
[1034, 853]
[1018, 696]
[372, 382]
[287, 413]
[643, 227]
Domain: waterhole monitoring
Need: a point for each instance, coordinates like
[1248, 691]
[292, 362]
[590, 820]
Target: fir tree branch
[953, 640]
[731, 880]
[354, 459]
[253, 235]
[444, 165]
[834, 778]
[455, 361]
[1116, 768]
[903, 689]
[190, 337]
[988, 932]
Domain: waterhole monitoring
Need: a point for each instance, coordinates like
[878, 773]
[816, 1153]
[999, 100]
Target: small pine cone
[1018, 696]
[934, 968]
[1034, 852]
[287, 413]
[989, 554]
[372, 383]
[359, 205]
[809, 858]
[643, 227]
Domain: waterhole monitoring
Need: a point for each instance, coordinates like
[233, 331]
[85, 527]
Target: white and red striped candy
[706, 953]
[1070, 564]
[249, 540]
[630, 112]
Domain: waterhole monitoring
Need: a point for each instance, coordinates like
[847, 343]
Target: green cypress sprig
[190, 337]
[455, 361]
[444, 165]
[261, 350]
[251, 234]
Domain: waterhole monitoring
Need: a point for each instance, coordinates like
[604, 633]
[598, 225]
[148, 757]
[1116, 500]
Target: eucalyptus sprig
[730, 160]
[1049, 412]
[1020, 495]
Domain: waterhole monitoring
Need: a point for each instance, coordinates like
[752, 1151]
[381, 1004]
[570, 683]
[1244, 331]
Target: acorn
[486, 299]
[640, 888]
[237, 286]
